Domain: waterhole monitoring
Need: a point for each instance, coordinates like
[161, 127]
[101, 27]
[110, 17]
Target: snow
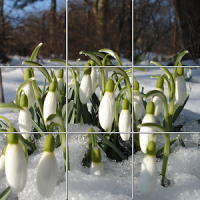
[191, 111]
[183, 172]
[115, 184]
[30, 191]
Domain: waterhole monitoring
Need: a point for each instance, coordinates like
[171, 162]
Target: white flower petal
[107, 110]
[148, 118]
[125, 121]
[85, 89]
[93, 79]
[97, 169]
[15, 167]
[148, 175]
[180, 90]
[137, 104]
[49, 106]
[125, 136]
[47, 174]
[144, 140]
[28, 90]
[158, 102]
[25, 122]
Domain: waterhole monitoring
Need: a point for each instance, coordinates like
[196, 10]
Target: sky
[35, 7]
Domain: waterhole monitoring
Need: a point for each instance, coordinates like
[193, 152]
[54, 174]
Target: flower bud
[180, 90]
[25, 121]
[49, 106]
[85, 88]
[47, 171]
[60, 80]
[15, 164]
[148, 171]
[93, 79]
[96, 165]
[107, 106]
[125, 120]
[28, 89]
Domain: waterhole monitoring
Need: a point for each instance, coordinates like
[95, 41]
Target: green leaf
[181, 141]
[46, 73]
[30, 63]
[35, 52]
[156, 63]
[4, 195]
[64, 112]
[37, 126]
[180, 56]
[92, 56]
[102, 55]
[77, 61]
[85, 113]
[113, 54]
[9, 106]
[58, 120]
[62, 62]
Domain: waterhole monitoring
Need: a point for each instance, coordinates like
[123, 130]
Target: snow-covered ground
[191, 112]
[183, 172]
[116, 184]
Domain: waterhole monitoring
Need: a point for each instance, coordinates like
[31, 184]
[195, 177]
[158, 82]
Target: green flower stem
[172, 96]
[180, 56]
[89, 147]
[103, 82]
[165, 156]
[9, 123]
[163, 97]
[134, 122]
[78, 115]
[78, 74]
[118, 84]
[153, 125]
[126, 78]
[115, 143]
[94, 140]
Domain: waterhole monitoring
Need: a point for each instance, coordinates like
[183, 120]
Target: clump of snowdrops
[146, 139]
[42, 111]
[104, 102]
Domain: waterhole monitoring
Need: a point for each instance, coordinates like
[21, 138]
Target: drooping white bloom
[85, 88]
[137, 101]
[125, 120]
[96, 165]
[93, 79]
[47, 173]
[47, 170]
[125, 136]
[148, 118]
[148, 172]
[25, 122]
[158, 105]
[15, 166]
[107, 106]
[49, 106]
[28, 89]
[180, 90]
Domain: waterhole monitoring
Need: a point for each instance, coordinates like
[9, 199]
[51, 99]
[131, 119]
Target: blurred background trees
[21, 33]
[167, 27]
[96, 24]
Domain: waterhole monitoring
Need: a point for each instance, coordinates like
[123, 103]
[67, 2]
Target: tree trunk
[2, 27]
[1, 89]
[101, 20]
[188, 14]
[52, 27]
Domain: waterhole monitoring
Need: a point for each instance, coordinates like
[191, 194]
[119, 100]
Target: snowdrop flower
[47, 171]
[93, 79]
[60, 80]
[49, 106]
[180, 90]
[148, 118]
[25, 122]
[148, 171]
[96, 165]
[107, 106]
[137, 101]
[157, 100]
[125, 120]
[28, 89]
[85, 88]
[2, 161]
[15, 163]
